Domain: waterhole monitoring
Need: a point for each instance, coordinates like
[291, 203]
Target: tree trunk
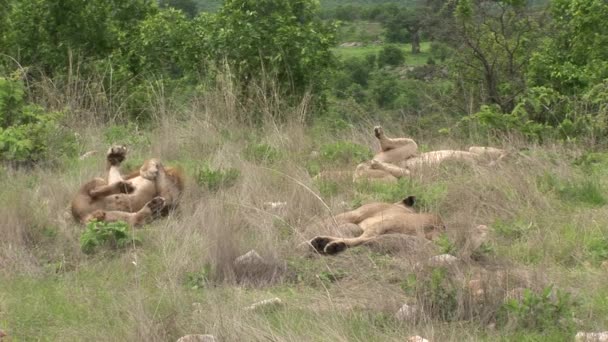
[415, 42]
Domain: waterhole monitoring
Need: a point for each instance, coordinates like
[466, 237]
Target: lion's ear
[409, 201]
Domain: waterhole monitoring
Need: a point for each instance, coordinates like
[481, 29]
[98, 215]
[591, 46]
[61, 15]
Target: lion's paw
[319, 243]
[116, 154]
[126, 187]
[378, 131]
[156, 204]
[375, 164]
[335, 247]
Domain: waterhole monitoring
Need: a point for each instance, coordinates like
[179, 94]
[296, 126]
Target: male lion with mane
[135, 198]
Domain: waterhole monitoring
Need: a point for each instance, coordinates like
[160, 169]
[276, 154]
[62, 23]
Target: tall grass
[182, 278]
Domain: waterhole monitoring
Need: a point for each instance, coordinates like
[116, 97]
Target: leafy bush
[538, 312]
[28, 134]
[344, 152]
[262, 153]
[213, 180]
[391, 55]
[436, 292]
[586, 190]
[113, 235]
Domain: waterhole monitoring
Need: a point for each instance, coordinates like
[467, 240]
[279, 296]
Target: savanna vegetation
[252, 99]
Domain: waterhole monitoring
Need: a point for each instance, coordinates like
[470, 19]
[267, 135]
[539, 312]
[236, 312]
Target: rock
[407, 313]
[417, 339]
[275, 205]
[87, 155]
[443, 260]
[265, 304]
[250, 265]
[2, 334]
[591, 336]
[197, 338]
[605, 265]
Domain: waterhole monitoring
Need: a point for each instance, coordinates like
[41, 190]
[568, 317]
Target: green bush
[390, 55]
[113, 235]
[538, 312]
[344, 152]
[28, 133]
[215, 179]
[585, 190]
[262, 153]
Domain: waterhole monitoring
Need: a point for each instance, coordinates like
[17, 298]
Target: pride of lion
[154, 189]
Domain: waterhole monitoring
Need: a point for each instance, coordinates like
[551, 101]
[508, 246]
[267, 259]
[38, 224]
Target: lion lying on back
[376, 219]
[135, 199]
[399, 157]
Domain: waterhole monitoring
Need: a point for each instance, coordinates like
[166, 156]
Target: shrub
[214, 179]
[28, 133]
[391, 55]
[344, 152]
[262, 153]
[538, 312]
[113, 235]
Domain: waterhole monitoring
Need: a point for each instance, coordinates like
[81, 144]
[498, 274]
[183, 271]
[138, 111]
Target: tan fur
[377, 219]
[398, 158]
[144, 192]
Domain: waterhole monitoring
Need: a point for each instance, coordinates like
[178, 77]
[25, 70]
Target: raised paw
[375, 164]
[378, 131]
[319, 243]
[116, 154]
[335, 247]
[156, 204]
[126, 187]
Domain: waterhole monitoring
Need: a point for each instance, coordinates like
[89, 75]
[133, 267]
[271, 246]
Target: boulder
[265, 304]
[408, 313]
[197, 338]
[591, 336]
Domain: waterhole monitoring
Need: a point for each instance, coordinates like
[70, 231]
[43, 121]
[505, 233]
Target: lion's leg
[119, 187]
[140, 217]
[339, 245]
[115, 156]
[394, 170]
[387, 143]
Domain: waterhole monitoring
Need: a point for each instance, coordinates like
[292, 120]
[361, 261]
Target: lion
[375, 219]
[151, 190]
[399, 158]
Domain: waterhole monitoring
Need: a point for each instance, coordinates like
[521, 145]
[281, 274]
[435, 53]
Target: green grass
[362, 51]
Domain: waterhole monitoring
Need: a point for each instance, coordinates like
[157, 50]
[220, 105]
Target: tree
[404, 25]
[280, 39]
[493, 41]
[390, 55]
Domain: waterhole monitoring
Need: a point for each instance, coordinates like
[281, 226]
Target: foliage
[436, 292]
[278, 39]
[344, 152]
[215, 179]
[538, 312]
[28, 133]
[262, 153]
[445, 245]
[587, 190]
[390, 55]
[113, 235]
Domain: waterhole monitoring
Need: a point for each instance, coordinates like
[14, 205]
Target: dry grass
[182, 278]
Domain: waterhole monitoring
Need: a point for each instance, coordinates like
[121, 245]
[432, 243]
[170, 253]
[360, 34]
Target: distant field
[362, 51]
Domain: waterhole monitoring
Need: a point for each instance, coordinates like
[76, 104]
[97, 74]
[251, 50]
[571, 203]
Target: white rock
[407, 313]
[417, 339]
[591, 336]
[267, 303]
[251, 258]
[443, 260]
[197, 338]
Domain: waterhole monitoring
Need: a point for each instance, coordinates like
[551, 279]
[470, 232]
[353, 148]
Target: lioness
[376, 219]
[150, 190]
[398, 158]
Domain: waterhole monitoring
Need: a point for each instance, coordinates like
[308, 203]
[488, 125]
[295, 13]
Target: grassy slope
[549, 221]
[362, 51]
